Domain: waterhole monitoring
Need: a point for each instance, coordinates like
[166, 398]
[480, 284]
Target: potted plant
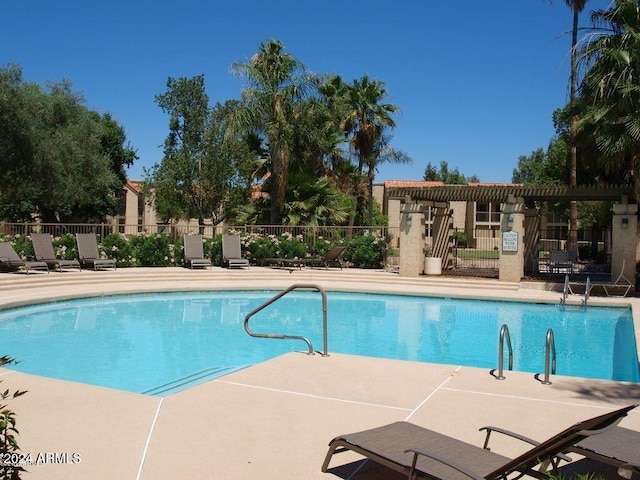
[432, 265]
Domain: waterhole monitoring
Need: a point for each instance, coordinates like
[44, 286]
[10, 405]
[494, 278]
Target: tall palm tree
[576, 6]
[367, 120]
[276, 82]
[611, 90]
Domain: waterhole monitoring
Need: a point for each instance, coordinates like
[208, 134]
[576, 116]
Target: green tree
[54, 162]
[276, 82]
[442, 174]
[114, 144]
[177, 185]
[229, 164]
[576, 7]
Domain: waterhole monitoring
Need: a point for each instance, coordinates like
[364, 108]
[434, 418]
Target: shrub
[288, 246]
[117, 247]
[65, 247]
[213, 249]
[366, 251]
[461, 240]
[257, 248]
[8, 442]
[153, 250]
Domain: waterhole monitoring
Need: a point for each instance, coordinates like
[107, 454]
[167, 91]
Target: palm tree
[610, 90]
[576, 6]
[276, 82]
[367, 120]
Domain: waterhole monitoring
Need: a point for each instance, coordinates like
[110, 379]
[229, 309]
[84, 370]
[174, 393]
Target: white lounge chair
[620, 284]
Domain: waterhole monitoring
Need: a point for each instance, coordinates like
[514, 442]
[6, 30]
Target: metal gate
[475, 252]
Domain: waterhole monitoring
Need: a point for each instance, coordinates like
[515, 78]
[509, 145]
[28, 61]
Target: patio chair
[333, 257]
[232, 253]
[194, 252]
[43, 248]
[620, 284]
[88, 252]
[617, 446]
[10, 260]
[411, 449]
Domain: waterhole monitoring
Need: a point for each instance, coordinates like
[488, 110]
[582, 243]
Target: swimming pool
[160, 343]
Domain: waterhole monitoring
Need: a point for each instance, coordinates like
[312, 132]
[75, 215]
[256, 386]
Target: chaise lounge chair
[617, 446]
[411, 449]
[232, 253]
[620, 284]
[88, 252]
[194, 252]
[10, 260]
[43, 248]
[333, 257]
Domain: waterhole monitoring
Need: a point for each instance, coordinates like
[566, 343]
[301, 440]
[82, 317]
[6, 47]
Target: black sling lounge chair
[194, 252]
[43, 248]
[10, 260]
[333, 257]
[413, 450]
[617, 446]
[232, 252]
[89, 254]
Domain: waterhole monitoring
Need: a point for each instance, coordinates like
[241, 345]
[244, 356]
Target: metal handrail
[504, 333]
[549, 353]
[565, 290]
[587, 289]
[282, 336]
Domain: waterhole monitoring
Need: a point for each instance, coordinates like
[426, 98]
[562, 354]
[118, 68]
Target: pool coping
[274, 420]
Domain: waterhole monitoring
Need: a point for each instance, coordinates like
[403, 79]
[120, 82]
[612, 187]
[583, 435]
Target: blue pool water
[158, 343]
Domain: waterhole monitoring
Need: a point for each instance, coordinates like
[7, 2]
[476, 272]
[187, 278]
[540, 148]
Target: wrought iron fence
[593, 255]
[475, 252]
[309, 234]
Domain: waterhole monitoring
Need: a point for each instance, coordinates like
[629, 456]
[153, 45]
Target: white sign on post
[510, 241]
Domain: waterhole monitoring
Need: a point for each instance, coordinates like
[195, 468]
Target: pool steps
[12, 281]
[191, 380]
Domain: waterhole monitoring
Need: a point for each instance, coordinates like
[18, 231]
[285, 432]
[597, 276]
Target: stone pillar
[411, 240]
[623, 247]
[512, 243]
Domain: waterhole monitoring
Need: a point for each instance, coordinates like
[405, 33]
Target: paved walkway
[274, 420]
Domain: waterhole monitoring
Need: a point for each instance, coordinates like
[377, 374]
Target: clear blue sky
[476, 81]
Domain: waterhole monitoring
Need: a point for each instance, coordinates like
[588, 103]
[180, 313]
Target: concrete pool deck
[274, 420]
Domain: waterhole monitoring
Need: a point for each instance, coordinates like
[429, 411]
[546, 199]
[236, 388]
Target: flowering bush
[288, 246]
[213, 249]
[156, 249]
[65, 247]
[153, 250]
[366, 251]
[258, 247]
[117, 247]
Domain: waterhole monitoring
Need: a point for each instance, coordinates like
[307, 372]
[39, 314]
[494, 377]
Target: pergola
[526, 194]
[517, 216]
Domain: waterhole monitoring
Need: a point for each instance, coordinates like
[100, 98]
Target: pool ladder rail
[567, 290]
[282, 336]
[549, 355]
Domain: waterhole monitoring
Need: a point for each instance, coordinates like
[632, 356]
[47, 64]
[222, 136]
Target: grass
[472, 254]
